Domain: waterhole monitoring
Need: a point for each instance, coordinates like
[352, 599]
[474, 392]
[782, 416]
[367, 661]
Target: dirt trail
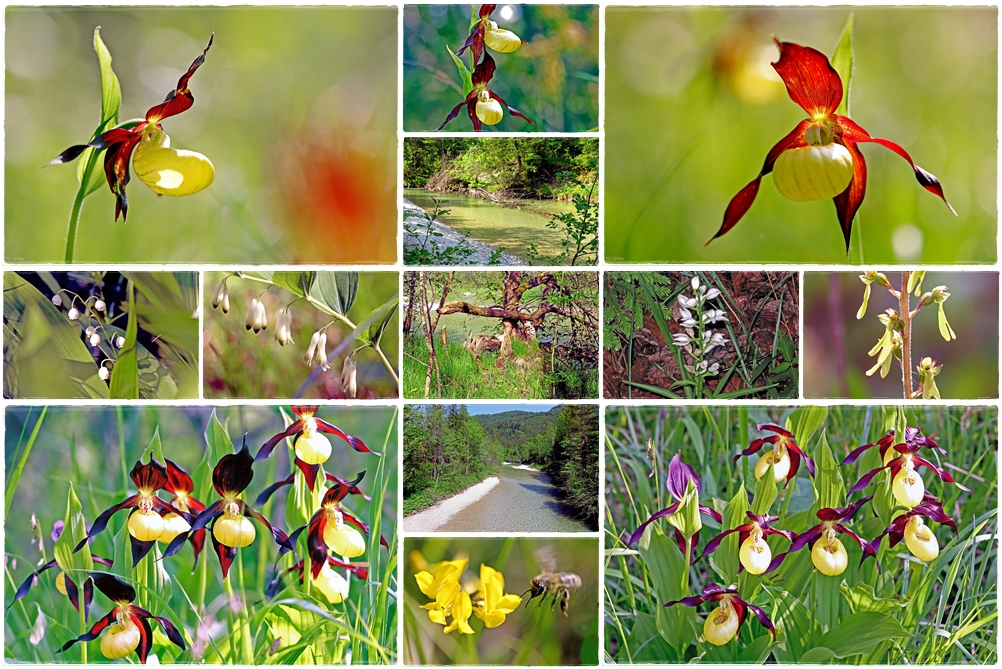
[434, 517]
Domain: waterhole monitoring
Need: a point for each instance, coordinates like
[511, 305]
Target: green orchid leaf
[765, 492]
[725, 558]
[74, 531]
[841, 60]
[125, 373]
[464, 73]
[829, 486]
[856, 634]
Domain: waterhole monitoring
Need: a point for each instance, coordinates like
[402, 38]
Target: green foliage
[427, 251]
[628, 295]
[939, 612]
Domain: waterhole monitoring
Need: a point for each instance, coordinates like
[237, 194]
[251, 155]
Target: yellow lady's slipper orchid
[907, 485]
[331, 584]
[829, 555]
[344, 539]
[312, 447]
[722, 624]
[499, 39]
[462, 609]
[146, 525]
[61, 583]
[170, 171]
[488, 110]
[779, 458]
[121, 639]
[755, 553]
[920, 540]
[233, 529]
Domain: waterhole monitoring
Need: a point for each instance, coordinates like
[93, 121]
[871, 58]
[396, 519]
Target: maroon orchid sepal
[813, 83]
[482, 74]
[123, 595]
[745, 530]
[913, 435]
[714, 593]
[929, 507]
[907, 451]
[72, 591]
[266, 494]
[120, 142]
[476, 39]
[179, 484]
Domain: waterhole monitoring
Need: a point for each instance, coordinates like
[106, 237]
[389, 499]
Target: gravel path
[439, 514]
[452, 237]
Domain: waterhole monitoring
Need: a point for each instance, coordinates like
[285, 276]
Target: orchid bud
[103, 373]
[99, 305]
[488, 109]
[73, 313]
[314, 341]
[322, 352]
[814, 172]
[95, 339]
[168, 171]
[57, 300]
[499, 39]
[348, 377]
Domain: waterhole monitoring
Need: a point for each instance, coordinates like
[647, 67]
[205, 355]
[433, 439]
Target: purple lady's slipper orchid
[918, 537]
[827, 552]
[755, 555]
[784, 455]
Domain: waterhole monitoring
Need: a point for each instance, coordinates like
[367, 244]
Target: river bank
[451, 237]
[439, 513]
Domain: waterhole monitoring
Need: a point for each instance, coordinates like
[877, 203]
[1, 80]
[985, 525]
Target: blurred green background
[531, 636]
[836, 344]
[553, 79]
[693, 107]
[239, 363]
[295, 107]
[95, 447]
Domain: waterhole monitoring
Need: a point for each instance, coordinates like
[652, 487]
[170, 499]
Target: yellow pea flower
[493, 605]
[462, 609]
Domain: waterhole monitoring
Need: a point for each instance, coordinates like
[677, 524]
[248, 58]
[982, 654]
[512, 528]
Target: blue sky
[477, 409]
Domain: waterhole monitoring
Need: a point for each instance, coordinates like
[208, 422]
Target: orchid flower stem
[245, 640]
[229, 619]
[203, 581]
[906, 337]
[78, 201]
[82, 611]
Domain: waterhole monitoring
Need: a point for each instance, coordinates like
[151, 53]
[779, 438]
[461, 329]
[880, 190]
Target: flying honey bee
[548, 583]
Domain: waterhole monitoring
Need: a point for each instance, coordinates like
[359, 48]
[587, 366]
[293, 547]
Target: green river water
[523, 501]
[497, 225]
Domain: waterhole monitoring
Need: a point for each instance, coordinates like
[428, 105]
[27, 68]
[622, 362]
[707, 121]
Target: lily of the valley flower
[917, 535]
[819, 159]
[231, 527]
[222, 297]
[827, 551]
[928, 370]
[145, 523]
[486, 32]
[679, 477]
[127, 627]
[724, 622]
[784, 455]
[493, 605]
[754, 555]
[906, 483]
[312, 448]
[164, 170]
[482, 104]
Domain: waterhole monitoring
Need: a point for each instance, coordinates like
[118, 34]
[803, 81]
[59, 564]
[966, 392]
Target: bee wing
[547, 558]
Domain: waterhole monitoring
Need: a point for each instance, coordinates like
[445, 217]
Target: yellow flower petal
[175, 172]
[509, 603]
[493, 619]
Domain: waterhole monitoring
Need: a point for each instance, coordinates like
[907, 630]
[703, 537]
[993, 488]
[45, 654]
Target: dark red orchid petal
[942, 473]
[795, 454]
[924, 441]
[773, 427]
[762, 618]
[486, 10]
[755, 446]
[266, 494]
[113, 587]
[511, 110]
[864, 480]
[483, 72]
[210, 512]
[643, 526]
[315, 544]
[359, 569]
[806, 539]
[680, 542]
[713, 544]
[810, 79]
[354, 489]
[203, 519]
[846, 512]
[742, 202]
[305, 411]
[470, 99]
[868, 550]
[788, 534]
[180, 99]
[140, 549]
[356, 443]
[280, 537]
[226, 555]
[679, 476]
[309, 472]
[761, 520]
[294, 428]
[687, 601]
[234, 471]
[178, 480]
[740, 608]
[172, 632]
[197, 539]
[895, 532]
[847, 202]
[116, 171]
[471, 111]
[852, 132]
[93, 633]
[68, 155]
[88, 596]
[475, 43]
[341, 490]
[149, 477]
[777, 561]
[712, 513]
[931, 508]
[72, 592]
[855, 453]
[352, 520]
[713, 592]
[29, 582]
[145, 637]
[101, 522]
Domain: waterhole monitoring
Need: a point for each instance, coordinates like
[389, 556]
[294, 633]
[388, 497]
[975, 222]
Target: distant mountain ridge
[514, 428]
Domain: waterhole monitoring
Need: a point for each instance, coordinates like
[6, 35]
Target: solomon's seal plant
[127, 627]
[165, 170]
[819, 159]
[896, 340]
